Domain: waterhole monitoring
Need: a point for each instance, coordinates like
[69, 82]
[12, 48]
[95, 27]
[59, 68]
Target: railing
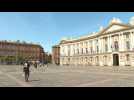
[115, 49]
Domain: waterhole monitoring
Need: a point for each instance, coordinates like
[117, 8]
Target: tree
[20, 59]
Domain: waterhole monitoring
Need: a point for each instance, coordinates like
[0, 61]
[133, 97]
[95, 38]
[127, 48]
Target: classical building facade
[12, 52]
[111, 46]
[56, 54]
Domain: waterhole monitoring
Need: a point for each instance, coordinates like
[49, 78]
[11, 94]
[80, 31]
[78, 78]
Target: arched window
[128, 45]
[116, 45]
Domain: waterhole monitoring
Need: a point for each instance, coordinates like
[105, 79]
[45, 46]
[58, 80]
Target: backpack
[24, 69]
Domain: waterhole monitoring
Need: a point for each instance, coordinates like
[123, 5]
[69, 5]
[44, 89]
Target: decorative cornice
[20, 43]
[127, 27]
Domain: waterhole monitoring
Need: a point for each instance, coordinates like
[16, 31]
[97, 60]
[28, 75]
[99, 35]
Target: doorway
[115, 60]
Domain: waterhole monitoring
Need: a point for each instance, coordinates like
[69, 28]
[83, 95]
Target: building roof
[18, 42]
[55, 46]
[113, 27]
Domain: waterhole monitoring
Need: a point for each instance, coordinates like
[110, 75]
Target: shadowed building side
[47, 58]
[56, 54]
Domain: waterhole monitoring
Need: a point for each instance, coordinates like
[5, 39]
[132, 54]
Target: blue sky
[47, 28]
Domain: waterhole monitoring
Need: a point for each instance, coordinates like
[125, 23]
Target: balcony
[115, 49]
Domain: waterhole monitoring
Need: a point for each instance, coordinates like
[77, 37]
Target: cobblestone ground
[68, 76]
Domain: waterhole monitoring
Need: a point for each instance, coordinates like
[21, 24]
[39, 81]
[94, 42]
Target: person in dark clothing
[26, 71]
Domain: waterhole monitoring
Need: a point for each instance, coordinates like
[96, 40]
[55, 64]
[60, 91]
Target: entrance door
[115, 60]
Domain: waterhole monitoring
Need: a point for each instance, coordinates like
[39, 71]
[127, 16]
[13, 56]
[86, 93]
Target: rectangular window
[97, 49]
[74, 51]
[127, 36]
[90, 43]
[82, 50]
[106, 48]
[68, 52]
[91, 59]
[86, 50]
[91, 50]
[78, 51]
[63, 50]
[128, 45]
[86, 43]
[116, 46]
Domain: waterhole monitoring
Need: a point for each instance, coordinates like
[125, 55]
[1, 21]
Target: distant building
[16, 52]
[56, 54]
[47, 58]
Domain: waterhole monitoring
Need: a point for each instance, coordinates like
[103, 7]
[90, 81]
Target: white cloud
[131, 20]
[115, 20]
[64, 38]
[101, 28]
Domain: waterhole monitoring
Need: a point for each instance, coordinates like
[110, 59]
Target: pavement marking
[93, 83]
[15, 79]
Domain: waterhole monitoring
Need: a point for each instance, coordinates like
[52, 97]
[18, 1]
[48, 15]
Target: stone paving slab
[66, 76]
[7, 82]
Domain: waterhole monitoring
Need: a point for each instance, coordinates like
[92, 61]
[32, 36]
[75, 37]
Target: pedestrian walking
[26, 71]
[47, 64]
[40, 64]
[35, 65]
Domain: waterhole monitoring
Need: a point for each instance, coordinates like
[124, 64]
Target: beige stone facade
[113, 45]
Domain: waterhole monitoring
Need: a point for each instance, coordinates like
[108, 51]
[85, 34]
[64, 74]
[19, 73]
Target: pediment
[115, 27]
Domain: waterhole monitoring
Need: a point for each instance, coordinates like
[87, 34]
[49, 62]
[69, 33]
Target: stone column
[108, 43]
[131, 41]
[70, 49]
[79, 47]
[120, 42]
[123, 43]
[88, 47]
[92, 46]
[102, 46]
[99, 44]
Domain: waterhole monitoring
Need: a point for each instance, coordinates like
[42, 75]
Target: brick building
[56, 54]
[16, 52]
[47, 58]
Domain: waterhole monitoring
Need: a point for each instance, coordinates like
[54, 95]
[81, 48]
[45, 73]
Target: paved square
[67, 76]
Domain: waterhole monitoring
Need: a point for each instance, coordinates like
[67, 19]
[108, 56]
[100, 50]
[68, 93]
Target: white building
[113, 45]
